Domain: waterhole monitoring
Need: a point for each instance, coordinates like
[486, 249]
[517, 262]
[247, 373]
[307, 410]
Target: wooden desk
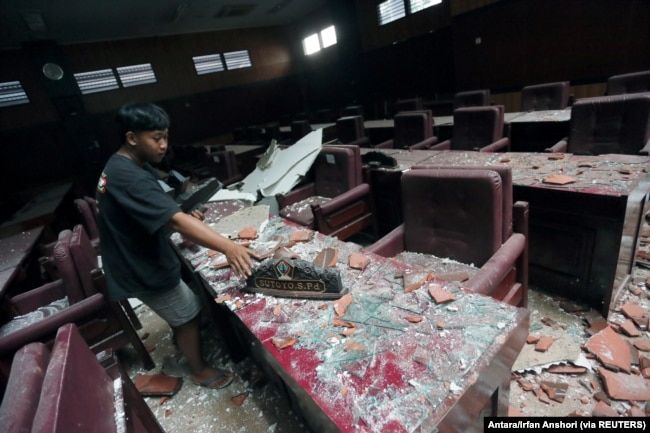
[39, 211]
[444, 372]
[583, 235]
[442, 125]
[329, 130]
[15, 252]
[538, 130]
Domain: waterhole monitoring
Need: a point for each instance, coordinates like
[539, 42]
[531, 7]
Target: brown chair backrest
[453, 213]
[66, 269]
[337, 169]
[350, 128]
[610, 124]
[222, 164]
[547, 96]
[505, 171]
[408, 104]
[412, 127]
[23, 388]
[634, 82]
[299, 128]
[476, 127]
[472, 98]
[77, 393]
[88, 217]
[85, 258]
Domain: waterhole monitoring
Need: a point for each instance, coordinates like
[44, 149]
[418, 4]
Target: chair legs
[133, 318]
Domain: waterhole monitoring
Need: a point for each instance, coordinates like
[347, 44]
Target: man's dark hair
[138, 117]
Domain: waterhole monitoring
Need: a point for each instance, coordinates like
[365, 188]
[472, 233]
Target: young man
[136, 218]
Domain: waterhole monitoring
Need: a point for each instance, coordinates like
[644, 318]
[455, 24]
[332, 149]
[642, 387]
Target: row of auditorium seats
[534, 97]
[75, 293]
[67, 388]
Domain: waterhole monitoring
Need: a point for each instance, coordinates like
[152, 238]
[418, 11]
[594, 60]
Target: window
[315, 42]
[328, 36]
[208, 64]
[390, 10]
[136, 75]
[12, 93]
[418, 5]
[311, 44]
[237, 59]
[96, 81]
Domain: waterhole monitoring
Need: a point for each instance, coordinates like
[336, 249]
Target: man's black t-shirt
[137, 256]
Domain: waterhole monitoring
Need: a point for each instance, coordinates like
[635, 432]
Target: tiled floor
[262, 410]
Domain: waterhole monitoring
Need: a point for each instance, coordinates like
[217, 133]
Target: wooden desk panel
[444, 372]
[537, 130]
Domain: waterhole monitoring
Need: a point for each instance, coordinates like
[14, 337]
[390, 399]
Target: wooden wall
[535, 41]
[431, 54]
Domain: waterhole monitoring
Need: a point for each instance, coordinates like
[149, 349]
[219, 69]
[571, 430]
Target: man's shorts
[177, 306]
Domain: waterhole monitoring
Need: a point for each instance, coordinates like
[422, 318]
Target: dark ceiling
[78, 21]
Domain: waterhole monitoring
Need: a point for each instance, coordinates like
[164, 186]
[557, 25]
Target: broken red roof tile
[342, 323]
[553, 323]
[283, 342]
[542, 396]
[353, 346]
[358, 261]
[601, 396]
[579, 412]
[636, 411]
[603, 409]
[629, 328]
[414, 280]
[514, 412]
[544, 343]
[644, 362]
[327, 257]
[440, 295]
[641, 322]
[247, 233]
[223, 298]
[623, 386]
[301, 236]
[558, 179]
[414, 319]
[642, 344]
[555, 390]
[341, 304]
[596, 326]
[532, 339]
[610, 349]
[632, 310]
[239, 398]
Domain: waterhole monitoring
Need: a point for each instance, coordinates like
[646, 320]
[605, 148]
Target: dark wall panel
[532, 41]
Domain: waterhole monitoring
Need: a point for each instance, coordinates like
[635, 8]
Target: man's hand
[239, 258]
[196, 213]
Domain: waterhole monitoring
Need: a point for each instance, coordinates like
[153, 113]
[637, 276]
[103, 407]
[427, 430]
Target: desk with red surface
[393, 373]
